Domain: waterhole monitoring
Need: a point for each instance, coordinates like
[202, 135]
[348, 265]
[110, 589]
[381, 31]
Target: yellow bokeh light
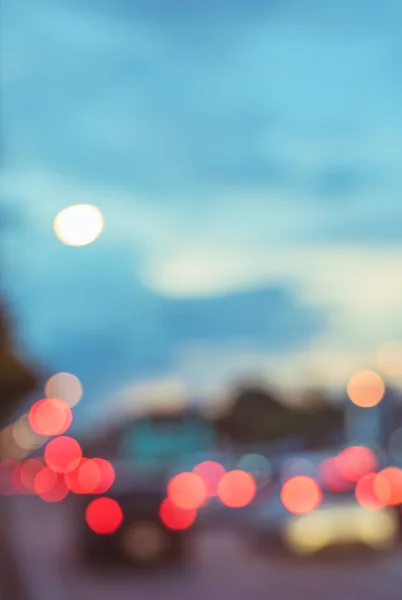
[366, 389]
[24, 436]
[389, 359]
[9, 448]
[65, 386]
[78, 225]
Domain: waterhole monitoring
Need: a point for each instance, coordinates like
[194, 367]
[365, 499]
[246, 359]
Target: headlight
[145, 542]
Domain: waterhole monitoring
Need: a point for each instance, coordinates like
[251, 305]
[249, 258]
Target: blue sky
[247, 158]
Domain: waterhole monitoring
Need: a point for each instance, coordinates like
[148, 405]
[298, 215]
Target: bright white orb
[65, 386]
[78, 225]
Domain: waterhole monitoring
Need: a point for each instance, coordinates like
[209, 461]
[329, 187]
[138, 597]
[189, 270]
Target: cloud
[164, 103]
[246, 159]
[197, 270]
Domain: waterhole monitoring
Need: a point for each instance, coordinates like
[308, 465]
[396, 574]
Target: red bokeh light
[107, 475]
[211, 473]
[50, 486]
[72, 480]
[373, 491]
[16, 480]
[329, 476]
[91, 476]
[187, 490]
[63, 454]
[7, 467]
[104, 516]
[301, 495]
[355, 462]
[393, 475]
[176, 518]
[236, 489]
[50, 416]
[28, 471]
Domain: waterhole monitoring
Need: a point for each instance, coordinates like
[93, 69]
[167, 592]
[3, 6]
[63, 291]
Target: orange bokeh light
[355, 462]
[373, 491]
[63, 454]
[104, 516]
[50, 416]
[393, 475]
[301, 495]
[237, 489]
[176, 518]
[366, 389]
[187, 490]
[211, 472]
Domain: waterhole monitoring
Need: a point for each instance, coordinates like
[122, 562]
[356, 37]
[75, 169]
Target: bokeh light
[50, 416]
[6, 477]
[63, 454]
[104, 516]
[50, 486]
[366, 389]
[187, 490]
[175, 518]
[25, 436]
[107, 475]
[355, 462]
[72, 481]
[16, 478]
[28, 472]
[65, 386]
[211, 473]
[301, 494]
[78, 225]
[258, 466]
[393, 475]
[9, 447]
[373, 491]
[329, 477]
[237, 489]
[145, 541]
[389, 359]
[89, 476]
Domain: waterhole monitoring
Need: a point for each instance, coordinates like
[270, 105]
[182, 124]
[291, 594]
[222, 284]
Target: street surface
[222, 567]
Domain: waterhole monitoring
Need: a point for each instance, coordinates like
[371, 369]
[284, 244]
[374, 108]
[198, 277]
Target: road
[222, 567]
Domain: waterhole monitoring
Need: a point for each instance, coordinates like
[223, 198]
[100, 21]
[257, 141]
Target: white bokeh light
[65, 386]
[78, 225]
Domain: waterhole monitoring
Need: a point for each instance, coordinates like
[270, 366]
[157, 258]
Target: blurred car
[338, 522]
[132, 528]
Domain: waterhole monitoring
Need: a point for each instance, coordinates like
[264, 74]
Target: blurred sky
[246, 155]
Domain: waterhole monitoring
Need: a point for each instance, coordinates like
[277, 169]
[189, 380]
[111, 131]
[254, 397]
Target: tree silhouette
[17, 378]
[258, 415]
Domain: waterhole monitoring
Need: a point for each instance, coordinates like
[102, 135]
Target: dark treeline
[17, 378]
[257, 414]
